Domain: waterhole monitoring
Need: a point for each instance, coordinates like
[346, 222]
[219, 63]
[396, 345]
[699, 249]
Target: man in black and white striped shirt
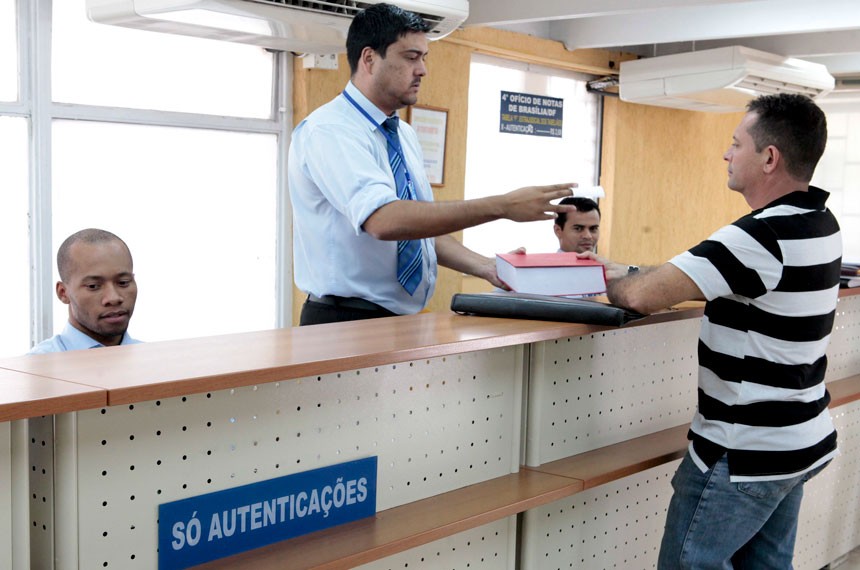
[771, 281]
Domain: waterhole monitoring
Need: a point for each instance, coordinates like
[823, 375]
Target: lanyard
[388, 138]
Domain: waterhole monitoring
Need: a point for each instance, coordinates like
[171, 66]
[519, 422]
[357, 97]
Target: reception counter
[479, 425]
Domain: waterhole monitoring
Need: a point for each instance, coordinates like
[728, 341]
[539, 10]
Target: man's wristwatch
[632, 269]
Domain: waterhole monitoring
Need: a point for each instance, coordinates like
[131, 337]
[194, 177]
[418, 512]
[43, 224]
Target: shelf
[401, 528]
[616, 461]
[844, 391]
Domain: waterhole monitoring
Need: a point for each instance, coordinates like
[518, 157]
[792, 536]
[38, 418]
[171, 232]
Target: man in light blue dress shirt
[578, 231]
[347, 217]
[97, 283]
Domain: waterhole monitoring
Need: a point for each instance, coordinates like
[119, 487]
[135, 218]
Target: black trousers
[331, 309]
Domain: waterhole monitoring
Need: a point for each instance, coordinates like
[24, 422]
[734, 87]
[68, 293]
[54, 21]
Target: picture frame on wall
[431, 126]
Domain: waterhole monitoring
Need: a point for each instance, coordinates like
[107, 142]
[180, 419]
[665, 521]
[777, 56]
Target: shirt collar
[375, 112]
[73, 339]
[812, 199]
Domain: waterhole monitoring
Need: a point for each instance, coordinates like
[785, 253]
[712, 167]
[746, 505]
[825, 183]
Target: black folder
[541, 307]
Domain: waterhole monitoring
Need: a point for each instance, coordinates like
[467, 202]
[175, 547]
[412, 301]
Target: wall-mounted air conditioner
[719, 80]
[304, 26]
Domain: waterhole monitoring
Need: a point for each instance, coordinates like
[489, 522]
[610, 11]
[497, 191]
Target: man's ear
[62, 293]
[367, 59]
[558, 230]
[772, 158]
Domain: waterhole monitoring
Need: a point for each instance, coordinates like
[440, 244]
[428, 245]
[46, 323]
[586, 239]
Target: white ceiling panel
[826, 31]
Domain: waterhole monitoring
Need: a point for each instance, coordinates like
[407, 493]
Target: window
[14, 255]
[839, 171]
[170, 142]
[499, 162]
[8, 52]
[98, 64]
[196, 208]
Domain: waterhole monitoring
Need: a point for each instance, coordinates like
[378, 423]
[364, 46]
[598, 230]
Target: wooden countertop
[28, 396]
[150, 371]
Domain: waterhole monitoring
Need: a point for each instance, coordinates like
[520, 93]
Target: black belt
[347, 303]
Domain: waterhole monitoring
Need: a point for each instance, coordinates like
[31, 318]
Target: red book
[851, 270]
[561, 274]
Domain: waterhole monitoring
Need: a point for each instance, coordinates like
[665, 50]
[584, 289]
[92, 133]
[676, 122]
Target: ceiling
[824, 31]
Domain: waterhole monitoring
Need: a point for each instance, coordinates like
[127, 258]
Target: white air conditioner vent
[350, 8]
[302, 26]
[719, 80]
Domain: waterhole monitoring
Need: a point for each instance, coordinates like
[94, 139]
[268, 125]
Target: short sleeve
[348, 168]
[742, 259]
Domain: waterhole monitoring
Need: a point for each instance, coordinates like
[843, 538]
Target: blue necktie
[408, 252]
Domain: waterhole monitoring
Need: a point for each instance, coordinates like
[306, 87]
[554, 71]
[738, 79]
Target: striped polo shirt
[771, 281]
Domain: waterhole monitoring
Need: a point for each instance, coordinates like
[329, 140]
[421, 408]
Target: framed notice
[529, 114]
[431, 126]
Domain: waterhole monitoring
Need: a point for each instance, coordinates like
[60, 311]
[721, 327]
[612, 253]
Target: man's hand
[648, 290]
[612, 270]
[533, 203]
[415, 219]
[487, 271]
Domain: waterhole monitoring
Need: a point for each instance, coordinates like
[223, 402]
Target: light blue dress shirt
[338, 176]
[72, 339]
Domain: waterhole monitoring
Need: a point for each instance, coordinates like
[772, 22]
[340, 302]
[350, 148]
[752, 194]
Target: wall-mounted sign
[526, 114]
[207, 527]
[431, 125]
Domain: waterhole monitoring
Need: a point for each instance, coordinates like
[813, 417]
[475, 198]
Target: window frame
[35, 103]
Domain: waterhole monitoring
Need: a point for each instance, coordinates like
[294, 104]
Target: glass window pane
[570, 158]
[197, 209]
[838, 172]
[14, 255]
[98, 64]
[8, 52]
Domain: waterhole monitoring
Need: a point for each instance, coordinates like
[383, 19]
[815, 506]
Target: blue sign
[525, 114]
[207, 527]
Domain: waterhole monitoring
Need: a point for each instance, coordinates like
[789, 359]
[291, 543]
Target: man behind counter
[364, 219]
[97, 283]
[578, 231]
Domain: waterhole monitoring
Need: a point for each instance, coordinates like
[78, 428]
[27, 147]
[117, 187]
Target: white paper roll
[593, 192]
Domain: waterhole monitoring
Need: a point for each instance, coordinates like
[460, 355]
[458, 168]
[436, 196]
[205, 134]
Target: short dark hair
[582, 205]
[795, 125]
[377, 27]
[89, 235]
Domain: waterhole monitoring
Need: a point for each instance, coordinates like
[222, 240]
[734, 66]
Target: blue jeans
[714, 524]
